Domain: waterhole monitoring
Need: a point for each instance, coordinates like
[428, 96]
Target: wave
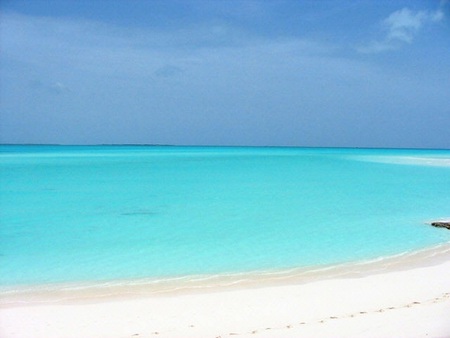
[409, 160]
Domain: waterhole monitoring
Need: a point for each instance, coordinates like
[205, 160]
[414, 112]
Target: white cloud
[400, 28]
[59, 87]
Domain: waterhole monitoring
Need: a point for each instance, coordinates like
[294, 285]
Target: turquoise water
[71, 213]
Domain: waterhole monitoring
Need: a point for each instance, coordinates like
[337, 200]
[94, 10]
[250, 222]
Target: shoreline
[103, 291]
[408, 298]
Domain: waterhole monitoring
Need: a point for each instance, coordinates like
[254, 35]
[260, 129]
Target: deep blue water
[73, 213]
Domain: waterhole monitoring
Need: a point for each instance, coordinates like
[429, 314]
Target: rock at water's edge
[441, 224]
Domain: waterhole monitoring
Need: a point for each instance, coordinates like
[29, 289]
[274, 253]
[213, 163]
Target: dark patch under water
[139, 213]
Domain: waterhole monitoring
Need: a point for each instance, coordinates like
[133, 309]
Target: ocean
[108, 213]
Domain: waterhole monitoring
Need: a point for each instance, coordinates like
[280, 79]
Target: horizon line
[216, 146]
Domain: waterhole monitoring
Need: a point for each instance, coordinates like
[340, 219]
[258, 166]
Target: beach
[406, 297]
[217, 242]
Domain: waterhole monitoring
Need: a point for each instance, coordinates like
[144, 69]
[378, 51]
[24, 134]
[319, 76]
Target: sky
[322, 73]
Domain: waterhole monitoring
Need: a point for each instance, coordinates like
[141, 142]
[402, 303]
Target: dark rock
[441, 224]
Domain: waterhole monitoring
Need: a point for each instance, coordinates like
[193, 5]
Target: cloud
[400, 28]
[59, 87]
[168, 71]
[402, 25]
[57, 47]
[50, 87]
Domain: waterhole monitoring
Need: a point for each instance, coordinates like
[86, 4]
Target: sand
[408, 300]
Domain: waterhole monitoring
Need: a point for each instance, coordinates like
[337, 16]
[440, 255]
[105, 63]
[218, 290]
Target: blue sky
[283, 73]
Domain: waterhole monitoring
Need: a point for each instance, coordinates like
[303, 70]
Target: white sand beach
[407, 300]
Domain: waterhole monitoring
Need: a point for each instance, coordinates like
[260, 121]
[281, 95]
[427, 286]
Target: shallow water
[72, 214]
